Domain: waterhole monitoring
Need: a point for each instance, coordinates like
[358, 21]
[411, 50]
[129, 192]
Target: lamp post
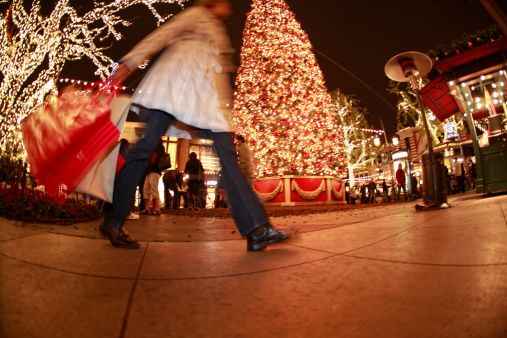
[412, 67]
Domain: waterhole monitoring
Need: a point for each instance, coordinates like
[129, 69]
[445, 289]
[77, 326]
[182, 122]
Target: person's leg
[156, 194]
[176, 199]
[246, 208]
[141, 192]
[167, 197]
[157, 123]
[146, 195]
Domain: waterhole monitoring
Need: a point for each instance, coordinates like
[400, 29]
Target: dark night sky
[362, 35]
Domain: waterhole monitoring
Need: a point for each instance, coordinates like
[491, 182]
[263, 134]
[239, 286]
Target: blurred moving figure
[189, 84]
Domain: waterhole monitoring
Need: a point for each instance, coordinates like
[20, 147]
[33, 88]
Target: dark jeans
[136, 163]
[246, 209]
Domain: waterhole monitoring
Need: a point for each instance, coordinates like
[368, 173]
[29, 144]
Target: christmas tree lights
[281, 102]
[35, 47]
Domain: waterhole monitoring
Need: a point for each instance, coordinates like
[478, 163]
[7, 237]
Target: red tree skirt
[300, 190]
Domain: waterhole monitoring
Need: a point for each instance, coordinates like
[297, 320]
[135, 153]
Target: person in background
[169, 180]
[364, 198]
[220, 196]
[150, 190]
[447, 180]
[461, 178]
[385, 191]
[415, 187]
[401, 182]
[472, 172]
[180, 192]
[195, 172]
[372, 191]
[347, 192]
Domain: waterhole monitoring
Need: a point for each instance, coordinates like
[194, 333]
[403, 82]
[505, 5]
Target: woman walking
[188, 84]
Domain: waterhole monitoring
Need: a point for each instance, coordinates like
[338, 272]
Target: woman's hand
[121, 73]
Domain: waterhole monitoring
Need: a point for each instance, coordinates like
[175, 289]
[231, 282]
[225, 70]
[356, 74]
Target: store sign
[451, 130]
[400, 155]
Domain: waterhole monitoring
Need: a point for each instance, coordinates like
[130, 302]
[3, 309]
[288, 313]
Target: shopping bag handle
[106, 89]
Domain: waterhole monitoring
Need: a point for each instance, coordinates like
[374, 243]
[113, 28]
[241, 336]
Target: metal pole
[384, 129]
[496, 14]
[389, 153]
[430, 151]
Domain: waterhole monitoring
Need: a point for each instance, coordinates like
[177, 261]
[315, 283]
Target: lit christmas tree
[281, 102]
[34, 47]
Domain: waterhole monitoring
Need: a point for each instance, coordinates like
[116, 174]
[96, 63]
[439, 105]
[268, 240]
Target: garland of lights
[281, 102]
[366, 130]
[34, 49]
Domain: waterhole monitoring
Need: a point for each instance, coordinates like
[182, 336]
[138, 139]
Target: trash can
[431, 196]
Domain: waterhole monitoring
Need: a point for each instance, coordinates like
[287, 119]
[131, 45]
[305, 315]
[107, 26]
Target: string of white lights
[34, 47]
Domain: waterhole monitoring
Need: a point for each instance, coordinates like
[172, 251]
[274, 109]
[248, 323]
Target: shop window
[207, 156]
[171, 147]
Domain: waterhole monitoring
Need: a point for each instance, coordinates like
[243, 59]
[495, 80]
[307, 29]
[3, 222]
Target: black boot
[118, 237]
[263, 236]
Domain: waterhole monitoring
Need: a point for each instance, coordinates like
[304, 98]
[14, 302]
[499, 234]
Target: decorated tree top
[281, 102]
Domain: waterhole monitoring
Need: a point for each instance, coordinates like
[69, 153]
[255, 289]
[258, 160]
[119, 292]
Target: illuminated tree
[409, 112]
[358, 137]
[281, 102]
[35, 47]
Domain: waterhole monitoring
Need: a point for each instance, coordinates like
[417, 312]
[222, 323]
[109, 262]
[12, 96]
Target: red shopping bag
[64, 139]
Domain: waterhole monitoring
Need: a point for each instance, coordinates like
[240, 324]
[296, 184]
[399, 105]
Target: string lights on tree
[409, 112]
[34, 47]
[358, 140]
[281, 102]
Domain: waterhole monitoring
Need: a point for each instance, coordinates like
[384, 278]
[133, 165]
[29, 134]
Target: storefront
[471, 89]
[179, 151]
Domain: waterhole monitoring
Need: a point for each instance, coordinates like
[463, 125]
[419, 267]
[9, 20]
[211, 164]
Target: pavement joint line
[22, 237]
[126, 316]
[74, 273]
[359, 248]
[443, 265]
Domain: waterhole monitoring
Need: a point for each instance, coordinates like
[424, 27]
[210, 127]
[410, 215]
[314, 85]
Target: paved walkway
[386, 271]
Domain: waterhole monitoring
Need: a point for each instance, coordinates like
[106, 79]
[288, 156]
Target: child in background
[150, 189]
[151, 194]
